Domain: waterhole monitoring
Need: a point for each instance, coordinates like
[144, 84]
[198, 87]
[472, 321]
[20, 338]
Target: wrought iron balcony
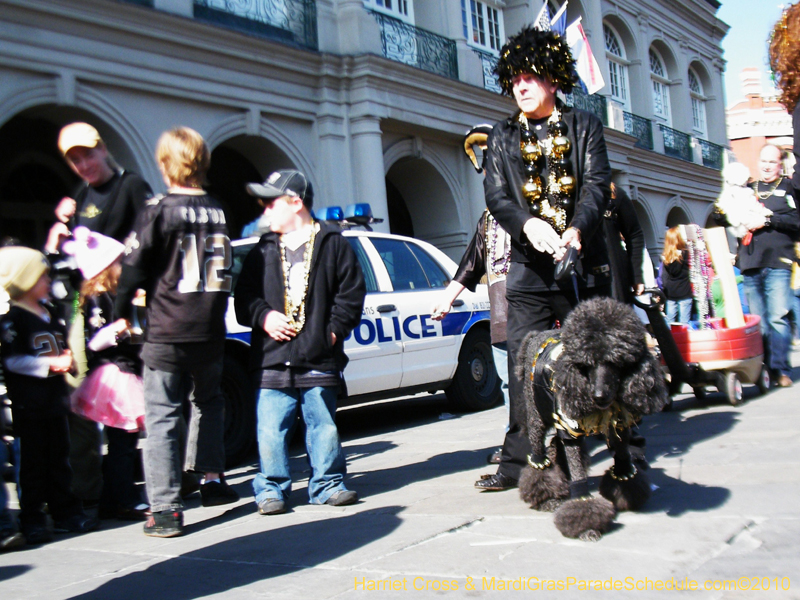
[593, 103]
[712, 154]
[489, 62]
[640, 128]
[417, 47]
[290, 21]
[676, 143]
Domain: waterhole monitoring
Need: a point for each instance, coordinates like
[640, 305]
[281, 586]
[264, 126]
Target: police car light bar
[360, 214]
[330, 213]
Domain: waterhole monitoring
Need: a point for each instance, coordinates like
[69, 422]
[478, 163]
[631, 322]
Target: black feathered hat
[543, 53]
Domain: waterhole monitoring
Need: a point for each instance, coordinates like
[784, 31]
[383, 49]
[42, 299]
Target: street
[724, 513]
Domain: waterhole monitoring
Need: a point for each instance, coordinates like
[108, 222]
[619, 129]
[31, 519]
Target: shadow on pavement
[9, 572]
[245, 560]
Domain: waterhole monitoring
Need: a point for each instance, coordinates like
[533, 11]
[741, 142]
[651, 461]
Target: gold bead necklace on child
[297, 313]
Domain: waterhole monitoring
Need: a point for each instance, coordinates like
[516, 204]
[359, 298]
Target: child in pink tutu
[112, 392]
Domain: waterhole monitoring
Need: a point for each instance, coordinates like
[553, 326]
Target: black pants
[44, 471]
[119, 470]
[529, 312]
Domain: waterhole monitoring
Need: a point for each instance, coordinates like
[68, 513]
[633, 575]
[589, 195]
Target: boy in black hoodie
[302, 292]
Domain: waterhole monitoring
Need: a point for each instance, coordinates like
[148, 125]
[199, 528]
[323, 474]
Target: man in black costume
[547, 184]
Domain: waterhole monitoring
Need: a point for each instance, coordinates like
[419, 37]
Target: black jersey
[180, 254]
[39, 394]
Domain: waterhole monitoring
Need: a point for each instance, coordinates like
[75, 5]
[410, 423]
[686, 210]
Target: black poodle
[594, 376]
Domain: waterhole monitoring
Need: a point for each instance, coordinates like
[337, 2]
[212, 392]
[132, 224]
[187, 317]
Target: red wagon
[724, 357]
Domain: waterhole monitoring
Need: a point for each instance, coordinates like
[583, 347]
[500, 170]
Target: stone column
[369, 180]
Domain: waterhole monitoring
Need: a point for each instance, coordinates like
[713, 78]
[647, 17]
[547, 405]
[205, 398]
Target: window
[617, 67]
[698, 105]
[482, 25]
[660, 83]
[405, 269]
[363, 261]
[402, 9]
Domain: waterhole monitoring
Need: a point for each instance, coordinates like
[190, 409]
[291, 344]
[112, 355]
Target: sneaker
[342, 498]
[215, 493]
[784, 381]
[190, 483]
[271, 506]
[37, 534]
[164, 524]
[79, 523]
[10, 540]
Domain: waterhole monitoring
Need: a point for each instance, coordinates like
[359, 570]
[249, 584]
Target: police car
[397, 349]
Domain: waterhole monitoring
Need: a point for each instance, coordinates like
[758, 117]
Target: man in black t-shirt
[766, 262]
[109, 198]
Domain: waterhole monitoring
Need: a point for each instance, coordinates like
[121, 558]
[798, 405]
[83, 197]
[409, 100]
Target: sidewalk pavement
[724, 510]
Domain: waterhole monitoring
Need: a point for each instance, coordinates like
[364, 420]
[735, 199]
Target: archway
[424, 195]
[33, 174]
[677, 216]
[236, 162]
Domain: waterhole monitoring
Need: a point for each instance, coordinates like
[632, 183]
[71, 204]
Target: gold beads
[567, 184]
[532, 189]
[531, 152]
[561, 146]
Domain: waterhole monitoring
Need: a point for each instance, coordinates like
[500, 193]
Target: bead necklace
[699, 276]
[551, 206]
[496, 237]
[297, 313]
[769, 192]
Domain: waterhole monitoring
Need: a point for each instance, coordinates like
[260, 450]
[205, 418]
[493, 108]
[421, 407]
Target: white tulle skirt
[111, 397]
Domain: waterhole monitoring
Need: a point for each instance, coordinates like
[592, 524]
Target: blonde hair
[784, 55]
[183, 156]
[673, 246]
[105, 281]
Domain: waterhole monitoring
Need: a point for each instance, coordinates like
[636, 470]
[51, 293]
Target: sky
[745, 45]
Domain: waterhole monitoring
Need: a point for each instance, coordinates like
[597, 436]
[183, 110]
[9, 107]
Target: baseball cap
[77, 134]
[286, 182]
[20, 269]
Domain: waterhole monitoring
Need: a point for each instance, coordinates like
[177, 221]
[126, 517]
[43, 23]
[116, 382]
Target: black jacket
[675, 279]
[335, 299]
[627, 264]
[592, 172]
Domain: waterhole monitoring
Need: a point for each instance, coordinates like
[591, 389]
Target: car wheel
[240, 413]
[476, 385]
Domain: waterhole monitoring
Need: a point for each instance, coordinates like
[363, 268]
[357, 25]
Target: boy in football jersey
[179, 253]
[302, 291]
[35, 359]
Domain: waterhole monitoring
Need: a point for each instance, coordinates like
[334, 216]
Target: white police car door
[417, 282]
[374, 351]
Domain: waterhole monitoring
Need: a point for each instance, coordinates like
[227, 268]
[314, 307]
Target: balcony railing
[417, 47]
[712, 154]
[148, 3]
[291, 21]
[594, 103]
[640, 128]
[676, 143]
[489, 62]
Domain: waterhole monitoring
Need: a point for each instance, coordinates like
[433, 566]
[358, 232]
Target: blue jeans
[164, 393]
[276, 414]
[770, 297]
[500, 357]
[679, 311]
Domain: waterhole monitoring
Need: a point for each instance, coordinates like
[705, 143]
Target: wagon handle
[650, 297]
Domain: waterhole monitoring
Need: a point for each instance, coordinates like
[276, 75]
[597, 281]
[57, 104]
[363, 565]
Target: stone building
[370, 97]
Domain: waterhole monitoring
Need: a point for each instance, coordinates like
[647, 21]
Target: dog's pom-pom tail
[539, 487]
[626, 495]
[585, 518]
